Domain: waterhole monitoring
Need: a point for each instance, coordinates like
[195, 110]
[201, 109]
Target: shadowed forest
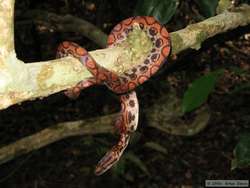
[194, 119]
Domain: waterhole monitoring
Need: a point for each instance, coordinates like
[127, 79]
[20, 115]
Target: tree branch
[67, 23]
[20, 81]
[52, 134]
[7, 30]
[163, 115]
[193, 35]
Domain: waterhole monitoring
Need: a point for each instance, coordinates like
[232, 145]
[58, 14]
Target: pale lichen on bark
[136, 48]
[7, 27]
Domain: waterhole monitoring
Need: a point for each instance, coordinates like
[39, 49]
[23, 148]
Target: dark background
[70, 162]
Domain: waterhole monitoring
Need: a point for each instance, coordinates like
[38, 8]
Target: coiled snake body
[121, 84]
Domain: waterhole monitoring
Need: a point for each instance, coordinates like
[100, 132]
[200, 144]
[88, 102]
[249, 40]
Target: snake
[123, 84]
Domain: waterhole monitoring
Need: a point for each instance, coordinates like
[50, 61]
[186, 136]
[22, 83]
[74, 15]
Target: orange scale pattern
[124, 84]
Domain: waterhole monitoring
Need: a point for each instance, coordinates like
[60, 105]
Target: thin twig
[67, 23]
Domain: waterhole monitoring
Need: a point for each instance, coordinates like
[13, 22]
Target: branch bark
[67, 23]
[58, 132]
[163, 116]
[20, 81]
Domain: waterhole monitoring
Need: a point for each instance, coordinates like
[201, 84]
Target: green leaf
[157, 147]
[207, 7]
[137, 162]
[162, 10]
[199, 90]
[242, 152]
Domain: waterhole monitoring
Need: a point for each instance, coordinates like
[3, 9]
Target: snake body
[125, 83]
